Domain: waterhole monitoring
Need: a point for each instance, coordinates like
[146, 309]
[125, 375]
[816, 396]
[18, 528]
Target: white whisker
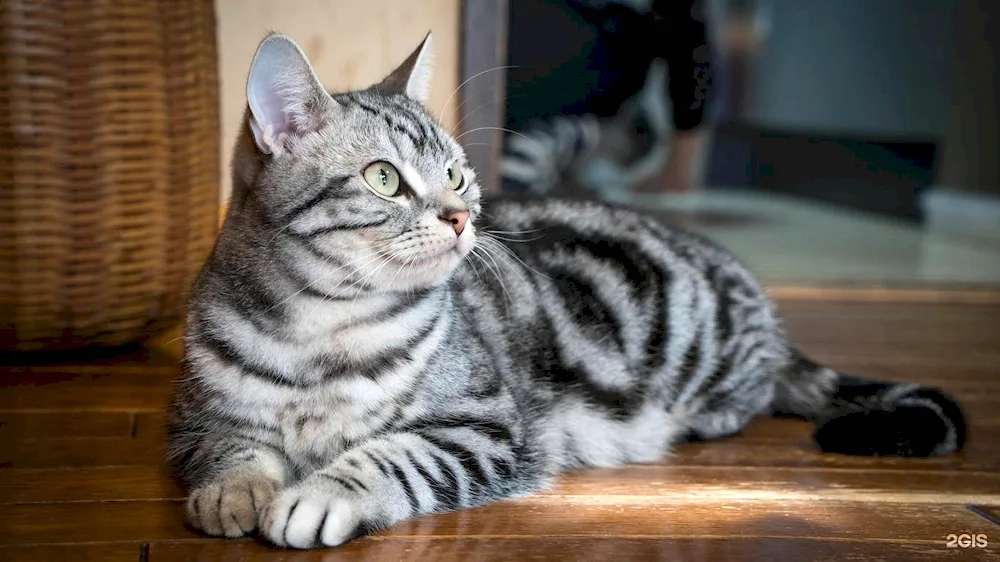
[511, 131]
[498, 272]
[470, 79]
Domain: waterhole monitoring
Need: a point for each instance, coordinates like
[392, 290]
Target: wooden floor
[82, 478]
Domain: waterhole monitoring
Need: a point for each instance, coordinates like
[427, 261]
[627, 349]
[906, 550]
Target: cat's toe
[231, 506]
[309, 519]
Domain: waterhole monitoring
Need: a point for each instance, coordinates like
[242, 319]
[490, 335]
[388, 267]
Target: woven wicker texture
[109, 166]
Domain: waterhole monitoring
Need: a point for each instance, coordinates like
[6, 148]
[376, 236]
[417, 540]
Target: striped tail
[542, 159]
[855, 416]
[567, 152]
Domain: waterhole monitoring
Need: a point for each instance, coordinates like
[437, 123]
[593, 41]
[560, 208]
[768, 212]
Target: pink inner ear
[272, 92]
[268, 120]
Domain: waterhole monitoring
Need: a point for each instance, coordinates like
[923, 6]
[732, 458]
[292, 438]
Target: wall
[351, 43]
[973, 142]
[856, 66]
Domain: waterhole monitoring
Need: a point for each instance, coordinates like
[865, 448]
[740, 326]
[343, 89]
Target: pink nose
[457, 220]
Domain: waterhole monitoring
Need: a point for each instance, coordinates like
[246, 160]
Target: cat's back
[582, 279]
[529, 224]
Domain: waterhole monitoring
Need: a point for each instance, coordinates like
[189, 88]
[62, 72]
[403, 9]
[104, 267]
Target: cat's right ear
[285, 97]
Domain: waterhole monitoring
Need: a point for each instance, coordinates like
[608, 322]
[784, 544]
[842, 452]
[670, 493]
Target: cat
[577, 155]
[371, 340]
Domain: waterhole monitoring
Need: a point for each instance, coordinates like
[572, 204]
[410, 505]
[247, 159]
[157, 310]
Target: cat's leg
[727, 409]
[243, 480]
[394, 477]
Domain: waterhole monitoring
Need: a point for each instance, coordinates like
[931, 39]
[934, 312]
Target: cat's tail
[856, 416]
[544, 156]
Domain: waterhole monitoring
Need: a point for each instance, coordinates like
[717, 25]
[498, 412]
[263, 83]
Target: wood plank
[953, 330]
[112, 552]
[954, 378]
[40, 425]
[151, 425]
[106, 483]
[660, 483]
[944, 294]
[581, 549]
[160, 355]
[860, 311]
[79, 452]
[792, 519]
[745, 452]
[737, 483]
[868, 357]
[966, 334]
[107, 389]
[59, 523]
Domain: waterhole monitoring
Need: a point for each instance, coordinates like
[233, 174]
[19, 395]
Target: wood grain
[113, 552]
[578, 549]
[56, 523]
[82, 477]
[102, 483]
[664, 483]
[105, 389]
[64, 424]
[79, 452]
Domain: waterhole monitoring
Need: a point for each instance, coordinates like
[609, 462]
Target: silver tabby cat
[364, 346]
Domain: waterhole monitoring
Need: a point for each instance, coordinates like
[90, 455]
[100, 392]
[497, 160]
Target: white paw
[231, 505]
[309, 518]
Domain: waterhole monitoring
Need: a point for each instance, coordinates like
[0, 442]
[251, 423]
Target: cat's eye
[383, 178]
[455, 178]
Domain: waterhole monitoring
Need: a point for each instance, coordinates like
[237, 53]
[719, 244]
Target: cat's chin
[429, 271]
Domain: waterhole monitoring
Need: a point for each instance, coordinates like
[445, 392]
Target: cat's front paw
[231, 505]
[308, 517]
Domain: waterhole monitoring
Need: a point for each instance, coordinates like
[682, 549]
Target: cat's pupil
[451, 175]
[383, 176]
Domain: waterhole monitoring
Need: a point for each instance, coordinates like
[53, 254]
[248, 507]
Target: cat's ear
[413, 77]
[285, 97]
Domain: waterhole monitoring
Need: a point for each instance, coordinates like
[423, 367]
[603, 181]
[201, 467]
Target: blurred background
[848, 143]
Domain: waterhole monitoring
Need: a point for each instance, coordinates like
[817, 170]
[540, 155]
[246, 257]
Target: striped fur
[353, 360]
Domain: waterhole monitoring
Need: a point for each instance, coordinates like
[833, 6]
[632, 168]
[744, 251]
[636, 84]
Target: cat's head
[367, 178]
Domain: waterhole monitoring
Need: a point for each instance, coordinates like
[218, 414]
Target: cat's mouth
[429, 260]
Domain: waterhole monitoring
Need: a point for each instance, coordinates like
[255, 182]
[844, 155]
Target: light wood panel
[351, 44]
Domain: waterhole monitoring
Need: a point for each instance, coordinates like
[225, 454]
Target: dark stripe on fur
[226, 353]
[343, 482]
[445, 490]
[494, 430]
[478, 476]
[341, 228]
[378, 463]
[404, 481]
[545, 357]
[332, 189]
[373, 367]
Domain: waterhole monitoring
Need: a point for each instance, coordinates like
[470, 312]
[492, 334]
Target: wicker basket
[109, 167]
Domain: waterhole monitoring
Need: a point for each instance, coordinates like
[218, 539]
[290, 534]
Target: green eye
[455, 176]
[383, 178]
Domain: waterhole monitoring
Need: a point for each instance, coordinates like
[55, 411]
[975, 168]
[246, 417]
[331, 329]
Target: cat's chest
[309, 428]
[312, 429]
[316, 427]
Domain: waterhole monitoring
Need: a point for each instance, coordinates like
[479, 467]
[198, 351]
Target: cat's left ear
[413, 77]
